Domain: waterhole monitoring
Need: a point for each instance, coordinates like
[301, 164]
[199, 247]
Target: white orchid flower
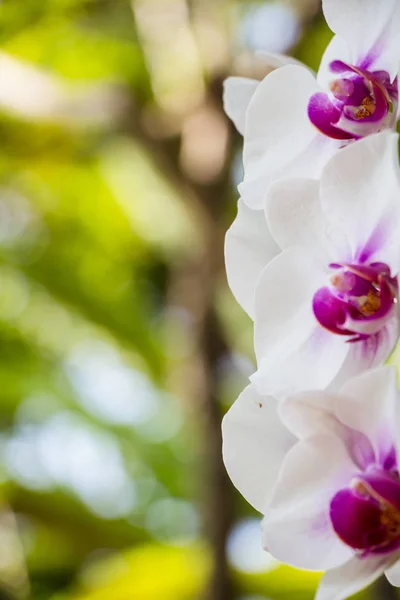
[326, 306]
[324, 470]
[293, 122]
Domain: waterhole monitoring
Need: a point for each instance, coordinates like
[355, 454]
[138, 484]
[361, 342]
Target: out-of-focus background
[120, 344]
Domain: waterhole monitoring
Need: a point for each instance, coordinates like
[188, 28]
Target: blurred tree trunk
[194, 159]
[220, 492]
[193, 286]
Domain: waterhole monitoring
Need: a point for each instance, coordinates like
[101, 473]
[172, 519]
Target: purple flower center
[359, 103]
[366, 514]
[358, 300]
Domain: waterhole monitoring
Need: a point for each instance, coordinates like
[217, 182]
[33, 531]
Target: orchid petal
[311, 413]
[308, 162]
[293, 352]
[308, 413]
[368, 404]
[372, 31]
[249, 247]
[368, 353]
[238, 91]
[297, 529]
[355, 575]
[337, 49]
[280, 141]
[360, 190]
[295, 217]
[254, 445]
[393, 574]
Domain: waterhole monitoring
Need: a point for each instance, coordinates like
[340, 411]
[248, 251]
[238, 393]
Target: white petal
[249, 246]
[254, 445]
[393, 574]
[387, 340]
[337, 49]
[313, 363]
[316, 412]
[294, 353]
[373, 352]
[368, 404]
[294, 215]
[308, 162]
[284, 293]
[393, 360]
[309, 413]
[278, 132]
[238, 91]
[355, 575]
[360, 191]
[298, 530]
[273, 113]
[371, 30]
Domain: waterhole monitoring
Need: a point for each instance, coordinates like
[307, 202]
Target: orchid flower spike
[293, 123]
[324, 470]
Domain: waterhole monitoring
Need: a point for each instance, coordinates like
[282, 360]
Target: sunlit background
[121, 346]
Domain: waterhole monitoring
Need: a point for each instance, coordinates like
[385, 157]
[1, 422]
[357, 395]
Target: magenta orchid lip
[366, 514]
[358, 300]
[359, 103]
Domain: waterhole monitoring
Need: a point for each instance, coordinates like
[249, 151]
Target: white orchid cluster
[313, 442]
